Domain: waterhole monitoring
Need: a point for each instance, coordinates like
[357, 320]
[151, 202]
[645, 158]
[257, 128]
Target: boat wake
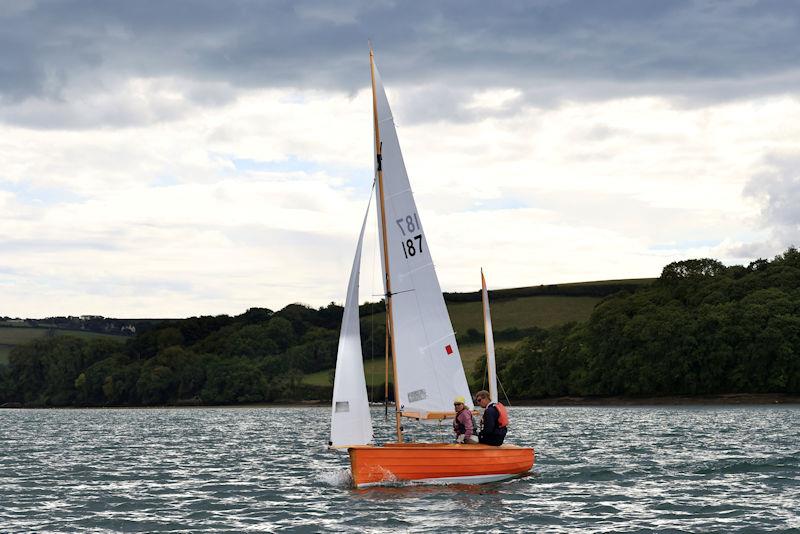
[338, 478]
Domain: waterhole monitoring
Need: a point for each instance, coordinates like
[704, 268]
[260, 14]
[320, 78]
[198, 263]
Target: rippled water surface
[694, 469]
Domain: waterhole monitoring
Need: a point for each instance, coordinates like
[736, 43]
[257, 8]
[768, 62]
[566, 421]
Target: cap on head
[459, 400]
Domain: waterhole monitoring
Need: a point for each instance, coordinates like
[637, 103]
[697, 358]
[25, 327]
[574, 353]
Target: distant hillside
[702, 328]
[523, 307]
[515, 313]
[11, 336]
[259, 356]
[599, 288]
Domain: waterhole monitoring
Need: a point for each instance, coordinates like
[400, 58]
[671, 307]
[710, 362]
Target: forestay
[351, 423]
[428, 362]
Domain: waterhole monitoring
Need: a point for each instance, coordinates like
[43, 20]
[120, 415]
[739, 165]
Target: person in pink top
[463, 424]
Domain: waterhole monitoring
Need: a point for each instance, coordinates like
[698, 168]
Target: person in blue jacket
[491, 432]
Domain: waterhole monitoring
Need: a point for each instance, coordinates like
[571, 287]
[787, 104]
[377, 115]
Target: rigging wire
[485, 377]
[504, 390]
[372, 323]
[372, 348]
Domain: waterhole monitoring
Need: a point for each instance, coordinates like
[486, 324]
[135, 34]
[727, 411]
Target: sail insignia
[416, 396]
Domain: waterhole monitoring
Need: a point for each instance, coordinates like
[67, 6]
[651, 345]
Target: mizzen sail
[489, 337]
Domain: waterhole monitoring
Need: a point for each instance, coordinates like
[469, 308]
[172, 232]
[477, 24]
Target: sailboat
[428, 373]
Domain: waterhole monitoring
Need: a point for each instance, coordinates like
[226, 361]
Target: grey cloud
[550, 50]
[778, 190]
[750, 251]
[86, 112]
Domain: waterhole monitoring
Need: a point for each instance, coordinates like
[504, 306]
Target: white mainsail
[489, 336]
[351, 423]
[429, 370]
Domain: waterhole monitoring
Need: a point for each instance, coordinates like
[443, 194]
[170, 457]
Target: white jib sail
[351, 423]
[489, 336]
[429, 370]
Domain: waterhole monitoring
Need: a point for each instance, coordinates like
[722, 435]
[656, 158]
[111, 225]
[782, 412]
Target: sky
[172, 159]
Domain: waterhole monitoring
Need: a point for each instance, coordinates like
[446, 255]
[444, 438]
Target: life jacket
[461, 427]
[502, 420]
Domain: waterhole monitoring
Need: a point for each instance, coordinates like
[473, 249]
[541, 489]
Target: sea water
[598, 469]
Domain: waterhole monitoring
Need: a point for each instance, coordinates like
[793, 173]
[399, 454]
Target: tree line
[259, 356]
[700, 328]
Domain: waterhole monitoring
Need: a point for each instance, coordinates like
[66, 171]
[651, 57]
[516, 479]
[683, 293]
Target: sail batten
[399, 193]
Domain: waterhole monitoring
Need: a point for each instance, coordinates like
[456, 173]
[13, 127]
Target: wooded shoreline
[677, 400]
[736, 399]
[702, 333]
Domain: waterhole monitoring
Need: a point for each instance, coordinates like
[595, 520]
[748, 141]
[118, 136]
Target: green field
[634, 281]
[375, 374]
[524, 312]
[10, 336]
[543, 311]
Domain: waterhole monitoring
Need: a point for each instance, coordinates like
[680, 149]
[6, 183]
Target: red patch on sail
[448, 349]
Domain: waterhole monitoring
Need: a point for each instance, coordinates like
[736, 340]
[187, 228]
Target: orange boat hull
[437, 463]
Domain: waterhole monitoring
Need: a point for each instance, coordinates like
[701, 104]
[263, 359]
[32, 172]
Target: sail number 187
[410, 248]
[413, 244]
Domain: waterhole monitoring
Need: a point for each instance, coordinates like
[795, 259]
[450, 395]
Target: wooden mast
[389, 318]
[486, 333]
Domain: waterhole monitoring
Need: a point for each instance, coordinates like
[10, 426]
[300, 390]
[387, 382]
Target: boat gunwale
[446, 446]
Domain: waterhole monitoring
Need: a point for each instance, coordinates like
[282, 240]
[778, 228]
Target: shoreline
[734, 399]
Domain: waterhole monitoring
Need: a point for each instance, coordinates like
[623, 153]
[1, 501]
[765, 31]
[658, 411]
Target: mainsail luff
[428, 372]
[489, 338]
[351, 422]
[380, 205]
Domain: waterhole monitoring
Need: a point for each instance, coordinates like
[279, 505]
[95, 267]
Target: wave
[337, 478]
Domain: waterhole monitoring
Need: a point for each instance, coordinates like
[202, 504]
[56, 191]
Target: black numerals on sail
[408, 224]
[412, 244]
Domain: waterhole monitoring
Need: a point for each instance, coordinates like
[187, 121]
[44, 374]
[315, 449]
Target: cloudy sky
[169, 159]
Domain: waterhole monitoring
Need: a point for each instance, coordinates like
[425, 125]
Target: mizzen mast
[489, 340]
